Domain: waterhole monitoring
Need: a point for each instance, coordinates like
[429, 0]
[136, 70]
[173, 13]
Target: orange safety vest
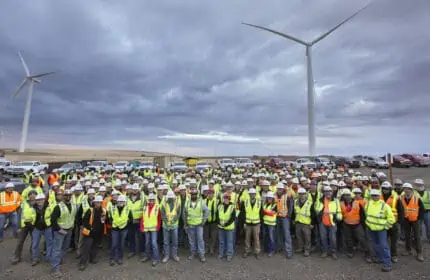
[281, 205]
[9, 202]
[53, 178]
[85, 231]
[411, 209]
[353, 216]
[326, 217]
[393, 204]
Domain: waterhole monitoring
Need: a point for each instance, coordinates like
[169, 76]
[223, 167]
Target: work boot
[175, 258]
[270, 254]
[257, 256]
[211, 251]
[93, 261]
[323, 255]
[368, 259]
[245, 255]
[111, 262]
[144, 259]
[82, 267]
[306, 253]
[119, 262]
[220, 257]
[56, 274]
[165, 259]
[34, 263]
[14, 261]
[191, 257]
[350, 255]
[394, 259]
[386, 269]
[298, 251]
[154, 263]
[420, 257]
[407, 253]
[229, 258]
[334, 256]
[203, 259]
[130, 255]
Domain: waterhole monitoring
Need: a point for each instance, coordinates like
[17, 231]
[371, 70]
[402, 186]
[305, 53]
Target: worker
[195, 215]
[121, 218]
[269, 220]
[304, 215]
[251, 211]
[51, 194]
[329, 214]
[170, 213]
[62, 222]
[284, 206]
[414, 214]
[379, 218]
[210, 228]
[182, 233]
[53, 177]
[92, 229]
[42, 227]
[10, 201]
[28, 218]
[392, 199]
[86, 204]
[27, 177]
[226, 222]
[32, 187]
[135, 203]
[398, 186]
[425, 198]
[150, 227]
[353, 217]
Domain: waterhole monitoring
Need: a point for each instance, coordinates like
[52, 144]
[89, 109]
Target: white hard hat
[266, 183]
[280, 186]
[295, 180]
[346, 192]
[56, 184]
[356, 190]
[128, 187]
[386, 185]
[151, 196]
[121, 198]
[301, 191]
[375, 192]
[124, 182]
[9, 185]
[136, 187]
[91, 191]
[115, 192]
[327, 189]
[102, 189]
[40, 196]
[341, 184]
[270, 195]
[98, 198]
[182, 187]
[407, 186]
[163, 187]
[151, 186]
[252, 191]
[117, 183]
[170, 194]
[102, 181]
[68, 192]
[87, 183]
[78, 188]
[145, 181]
[419, 181]
[204, 188]
[334, 183]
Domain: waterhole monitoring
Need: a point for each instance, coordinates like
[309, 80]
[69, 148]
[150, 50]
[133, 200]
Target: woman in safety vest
[226, 223]
[269, 220]
[120, 219]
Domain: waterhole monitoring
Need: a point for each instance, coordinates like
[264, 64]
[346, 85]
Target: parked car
[305, 162]
[202, 165]
[276, 163]
[347, 161]
[323, 162]
[145, 165]
[178, 166]
[244, 162]
[97, 165]
[417, 160]
[4, 164]
[135, 164]
[399, 161]
[376, 162]
[71, 166]
[124, 166]
[227, 162]
[22, 167]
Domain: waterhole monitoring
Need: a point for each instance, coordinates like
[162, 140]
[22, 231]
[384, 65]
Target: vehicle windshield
[120, 164]
[245, 160]
[68, 165]
[27, 163]
[97, 163]
[226, 161]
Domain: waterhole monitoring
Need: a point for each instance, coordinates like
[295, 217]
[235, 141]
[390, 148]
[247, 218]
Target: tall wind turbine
[30, 79]
[311, 94]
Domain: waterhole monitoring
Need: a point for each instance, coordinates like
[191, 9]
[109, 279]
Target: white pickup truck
[22, 167]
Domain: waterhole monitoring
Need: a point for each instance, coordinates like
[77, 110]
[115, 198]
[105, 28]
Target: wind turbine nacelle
[35, 80]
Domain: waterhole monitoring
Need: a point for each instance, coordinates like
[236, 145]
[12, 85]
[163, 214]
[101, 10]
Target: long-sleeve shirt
[40, 223]
[97, 228]
[204, 208]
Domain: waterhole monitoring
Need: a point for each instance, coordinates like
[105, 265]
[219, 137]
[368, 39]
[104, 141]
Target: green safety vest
[85, 205]
[150, 221]
[303, 214]
[28, 214]
[426, 200]
[48, 216]
[172, 215]
[212, 206]
[120, 221]
[224, 217]
[194, 215]
[67, 218]
[25, 192]
[136, 208]
[252, 212]
[379, 215]
[77, 200]
[269, 220]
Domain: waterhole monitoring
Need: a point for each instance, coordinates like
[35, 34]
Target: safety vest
[52, 178]
[426, 200]
[282, 206]
[85, 205]
[392, 202]
[25, 192]
[411, 208]
[303, 214]
[47, 216]
[9, 202]
[353, 216]
[330, 210]
[28, 214]
[77, 200]
[172, 215]
[224, 216]
[194, 215]
[136, 208]
[252, 212]
[87, 231]
[269, 220]
[212, 207]
[52, 201]
[27, 178]
[120, 220]
[67, 218]
[150, 220]
[379, 215]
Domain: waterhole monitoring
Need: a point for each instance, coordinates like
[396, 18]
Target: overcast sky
[186, 77]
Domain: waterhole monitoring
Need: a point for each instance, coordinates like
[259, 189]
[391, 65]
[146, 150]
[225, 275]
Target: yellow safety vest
[67, 218]
[172, 215]
[212, 207]
[25, 192]
[136, 208]
[150, 221]
[77, 200]
[303, 214]
[120, 220]
[426, 200]
[28, 214]
[333, 209]
[252, 212]
[194, 215]
[224, 217]
[379, 215]
[48, 216]
[85, 205]
[269, 220]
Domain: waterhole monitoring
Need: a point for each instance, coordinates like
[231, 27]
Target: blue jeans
[13, 219]
[283, 235]
[118, 243]
[170, 242]
[380, 246]
[47, 235]
[195, 238]
[133, 233]
[151, 244]
[269, 237]
[61, 243]
[328, 238]
[426, 227]
[226, 239]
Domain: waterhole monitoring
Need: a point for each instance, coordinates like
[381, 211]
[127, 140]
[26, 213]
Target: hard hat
[356, 190]
[398, 182]
[9, 185]
[326, 183]
[244, 183]
[91, 191]
[102, 181]
[102, 189]
[121, 198]
[303, 179]
[204, 188]
[108, 184]
[145, 181]
[334, 183]
[295, 180]
[136, 187]
[229, 185]
[87, 183]
[301, 191]
[98, 198]
[67, 192]
[346, 192]
[341, 184]
[56, 184]
[174, 181]
[327, 189]
[270, 195]
[266, 183]
[407, 186]
[288, 176]
[151, 196]
[78, 188]
[40, 196]
[170, 194]
[375, 192]
[182, 187]
[365, 178]
[280, 186]
[123, 182]
[419, 181]
[151, 186]
[386, 185]
[252, 191]
[115, 192]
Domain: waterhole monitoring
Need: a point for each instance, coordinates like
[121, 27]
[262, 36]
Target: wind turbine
[311, 93]
[30, 79]
[2, 135]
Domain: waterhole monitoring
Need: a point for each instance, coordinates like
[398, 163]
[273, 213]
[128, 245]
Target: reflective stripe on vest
[353, 216]
[224, 217]
[67, 218]
[194, 215]
[28, 214]
[172, 214]
[303, 214]
[411, 208]
[120, 220]
[426, 200]
[253, 212]
[269, 220]
[3, 201]
[150, 221]
[282, 206]
[376, 222]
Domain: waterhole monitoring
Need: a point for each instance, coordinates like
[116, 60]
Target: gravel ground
[276, 267]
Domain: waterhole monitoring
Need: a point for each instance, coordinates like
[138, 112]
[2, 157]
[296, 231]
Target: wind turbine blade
[25, 65]
[278, 33]
[337, 26]
[41, 75]
[19, 88]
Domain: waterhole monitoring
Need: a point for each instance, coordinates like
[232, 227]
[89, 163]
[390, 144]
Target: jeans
[269, 237]
[226, 239]
[133, 233]
[283, 235]
[426, 226]
[47, 235]
[118, 243]
[13, 219]
[380, 246]
[328, 238]
[151, 244]
[61, 242]
[195, 238]
[170, 242]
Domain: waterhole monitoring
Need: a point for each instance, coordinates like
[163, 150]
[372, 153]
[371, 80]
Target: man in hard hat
[10, 200]
[170, 213]
[150, 227]
[32, 187]
[210, 228]
[398, 186]
[425, 198]
[414, 214]
[135, 203]
[86, 204]
[284, 206]
[379, 219]
[93, 223]
[120, 220]
[28, 218]
[62, 221]
[42, 227]
[226, 222]
[304, 215]
[195, 215]
[269, 221]
[251, 211]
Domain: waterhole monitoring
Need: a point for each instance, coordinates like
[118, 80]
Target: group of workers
[152, 214]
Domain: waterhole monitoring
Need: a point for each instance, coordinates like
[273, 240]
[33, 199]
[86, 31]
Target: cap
[121, 198]
[98, 198]
[375, 192]
[407, 186]
[252, 191]
[40, 196]
[301, 191]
